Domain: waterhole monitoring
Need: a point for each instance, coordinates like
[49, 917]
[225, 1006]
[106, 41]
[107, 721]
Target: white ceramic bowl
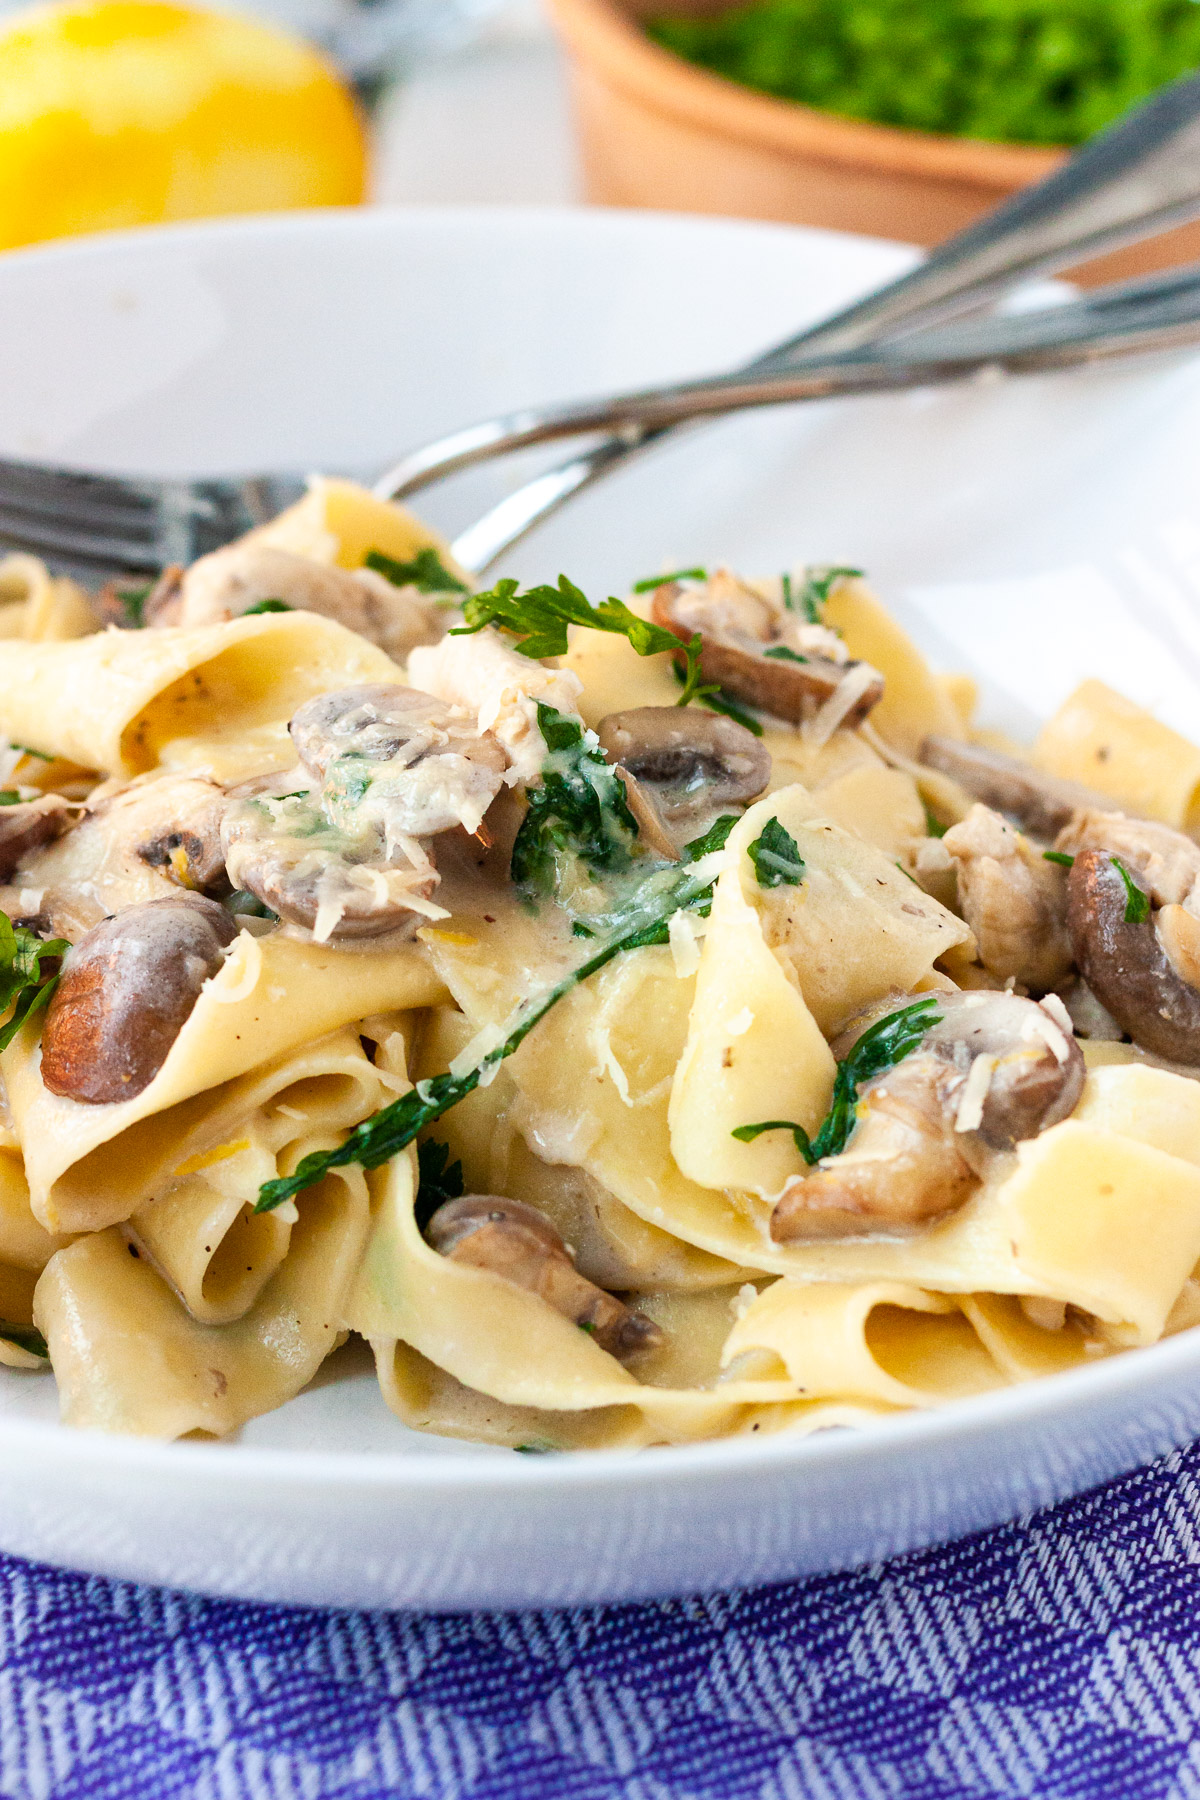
[1033, 531]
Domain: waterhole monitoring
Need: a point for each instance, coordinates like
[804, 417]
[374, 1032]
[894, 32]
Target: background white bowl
[1032, 531]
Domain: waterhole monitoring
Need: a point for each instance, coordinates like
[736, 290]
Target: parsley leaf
[680, 887]
[540, 618]
[933, 825]
[1137, 903]
[815, 590]
[580, 811]
[25, 1337]
[9, 797]
[426, 571]
[746, 1134]
[267, 606]
[28, 750]
[714, 699]
[24, 985]
[776, 857]
[781, 653]
[1059, 856]
[715, 838]
[536, 1447]
[132, 602]
[439, 1179]
[656, 581]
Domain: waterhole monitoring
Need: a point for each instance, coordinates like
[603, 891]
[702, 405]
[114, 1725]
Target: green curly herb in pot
[1017, 71]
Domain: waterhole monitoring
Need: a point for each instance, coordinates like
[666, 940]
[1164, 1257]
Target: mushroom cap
[1039, 1071]
[378, 721]
[28, 825]
[693, 761]
[1125, 964]
[740, 661]
[126, 991]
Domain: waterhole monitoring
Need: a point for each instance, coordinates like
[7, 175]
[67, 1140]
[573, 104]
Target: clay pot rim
[604, 34]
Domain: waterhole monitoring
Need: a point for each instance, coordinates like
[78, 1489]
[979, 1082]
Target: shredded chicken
[1013, 900]
[502, 688]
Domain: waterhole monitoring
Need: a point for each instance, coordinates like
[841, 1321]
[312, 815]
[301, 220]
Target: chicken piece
[1013, 899]
[481, 674]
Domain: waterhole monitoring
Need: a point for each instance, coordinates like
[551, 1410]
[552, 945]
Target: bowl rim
[604, 39]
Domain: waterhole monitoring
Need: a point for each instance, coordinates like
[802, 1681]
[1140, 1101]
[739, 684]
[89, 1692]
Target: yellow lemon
[127, 112]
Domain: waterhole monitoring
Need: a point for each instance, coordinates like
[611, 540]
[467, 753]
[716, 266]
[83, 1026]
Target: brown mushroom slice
[693, 762]
[745, 650]
[311, 875]
[1041, 804]
[993, 1071]
[652, 827]
[398, 758]
[1165, 862]
[27, 826]
[228, 582]
[520, 1244]
[1013, 899]
[1126, 965]
[126, 992]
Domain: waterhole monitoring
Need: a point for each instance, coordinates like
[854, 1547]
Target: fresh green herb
[426, 571]
[818, 584]
[28, 750]
[541, 616]
[656, 581]
[1137, 903]
[536, 1447]
[9, 797]
[579, 929]
[245, 905]
[579, 812]
[132, 601]
[934, 826]
[715, 838]
[588, 1325]
[746, 1134]
[1021, 71]
[25, 985]
[781, 653]
[716, 700]
[645, 921]
[1060, 857]
[881, 1047]
[776, 857]
[439, 1180]
[267, 606]
[25, 1337]
[908, 874]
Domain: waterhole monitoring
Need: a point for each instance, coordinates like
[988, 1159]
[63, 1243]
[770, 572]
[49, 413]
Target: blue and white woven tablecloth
[1059, 1657]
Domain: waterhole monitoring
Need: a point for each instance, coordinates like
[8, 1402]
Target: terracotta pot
[658, 131]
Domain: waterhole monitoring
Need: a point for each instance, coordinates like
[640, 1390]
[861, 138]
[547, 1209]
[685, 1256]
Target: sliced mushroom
[27, 826]
[1126, 964]
[693, 762]
[1165, 862]
[766, 656]
[1013, 899]
[227, 583]
[399, 760]
[652, 826]
[994, 1071]
[1041, 804]
[520, 1244]
[126, 991]
[285, 851]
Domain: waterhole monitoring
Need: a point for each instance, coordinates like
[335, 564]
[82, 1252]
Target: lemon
[128, 112]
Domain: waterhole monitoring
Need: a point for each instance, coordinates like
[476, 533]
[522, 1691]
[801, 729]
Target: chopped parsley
[25, 985]
[715, 699]
[25, 1337]
[132, 601]
[580, 812]
[881, 1047]
[1060, 857]
[267, 606]
[935, 828]
[9, 797]
[652, 582]
[781, 653]
[776, 857]
[536, 1447]
[439, 1180]
[245, 905]
[426, 571]
[644, 921]
[540, 618]
[28, 750]
[1137, 902]
[815, 589]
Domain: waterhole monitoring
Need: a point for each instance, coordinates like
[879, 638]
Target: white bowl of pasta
[772, 1110]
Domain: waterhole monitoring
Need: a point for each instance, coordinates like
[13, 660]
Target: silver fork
[1135, 180]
